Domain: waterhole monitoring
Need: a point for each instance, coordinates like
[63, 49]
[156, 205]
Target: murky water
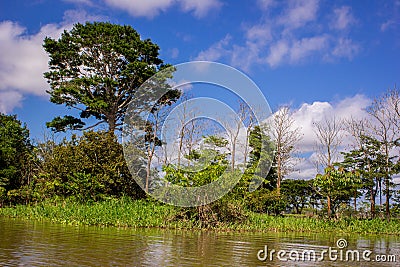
[24, 243]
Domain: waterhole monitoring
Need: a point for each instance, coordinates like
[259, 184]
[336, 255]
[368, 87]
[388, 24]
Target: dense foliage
[96, 68]
[91, 167]
[15, 156]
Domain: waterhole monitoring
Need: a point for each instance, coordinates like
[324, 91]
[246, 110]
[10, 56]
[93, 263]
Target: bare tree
[247, 116]
[329, 134]
[393, 106]
[238, 129]
[286, 136]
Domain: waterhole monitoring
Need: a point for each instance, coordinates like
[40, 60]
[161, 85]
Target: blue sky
[319, 56]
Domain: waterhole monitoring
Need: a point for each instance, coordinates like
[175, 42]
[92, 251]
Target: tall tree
[285, 135]
[368, 160]
[96, 68]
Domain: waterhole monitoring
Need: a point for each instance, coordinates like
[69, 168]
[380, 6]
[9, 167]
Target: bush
[89, 167]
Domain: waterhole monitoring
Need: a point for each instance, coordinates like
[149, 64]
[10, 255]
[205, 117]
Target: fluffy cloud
[199, 8]
[9, 100]
[277, 53]
[308, 114]
[306, 46]
[299, 12]
[152, 8]
[23, 59]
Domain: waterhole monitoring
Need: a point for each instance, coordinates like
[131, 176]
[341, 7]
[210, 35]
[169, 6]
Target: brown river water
[28, 243]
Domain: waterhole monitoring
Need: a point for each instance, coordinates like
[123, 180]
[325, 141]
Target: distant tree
[286, 136]
[15, 153]
[297, 193]
[96, 68]
[329, 137]
[335, 185]
[261, 158]
[369, 161]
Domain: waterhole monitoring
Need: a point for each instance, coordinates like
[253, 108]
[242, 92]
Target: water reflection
[25, 243]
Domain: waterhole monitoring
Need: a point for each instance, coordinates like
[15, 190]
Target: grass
[144, 213]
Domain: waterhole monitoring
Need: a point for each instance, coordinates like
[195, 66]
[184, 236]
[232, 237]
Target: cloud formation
[152, 8]
[290, 32]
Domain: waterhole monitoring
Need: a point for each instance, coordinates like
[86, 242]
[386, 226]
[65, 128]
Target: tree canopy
[96, 68]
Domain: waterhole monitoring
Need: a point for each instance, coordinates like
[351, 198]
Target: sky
[321, 57]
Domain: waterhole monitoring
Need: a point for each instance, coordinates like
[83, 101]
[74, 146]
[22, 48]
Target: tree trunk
[372, 200]
[147, 176]
[355, 201]
[387, 207]
[328, 199]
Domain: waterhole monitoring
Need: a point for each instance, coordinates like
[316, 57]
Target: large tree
[96, 68]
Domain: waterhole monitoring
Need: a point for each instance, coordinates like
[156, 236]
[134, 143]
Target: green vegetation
[15, 157]
[125, 212]
[96, 68]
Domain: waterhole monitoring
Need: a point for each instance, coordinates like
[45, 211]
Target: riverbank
[149, 214]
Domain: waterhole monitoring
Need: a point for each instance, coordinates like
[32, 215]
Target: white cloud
[140, 8]
[152, 8]
[307, 114]
[277, 53]
[300, 12]
[9, 100]
[342, 18]
[260, 33]
[23, 59]
[304, 47]
[297, 34]
[200, 8]
[216, 51]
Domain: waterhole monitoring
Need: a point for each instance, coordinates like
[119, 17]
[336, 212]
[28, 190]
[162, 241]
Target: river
[29, 243]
